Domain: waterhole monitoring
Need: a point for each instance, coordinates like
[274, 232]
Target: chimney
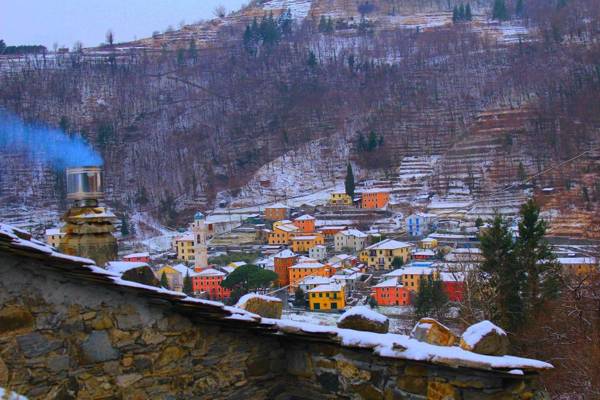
[88, 226]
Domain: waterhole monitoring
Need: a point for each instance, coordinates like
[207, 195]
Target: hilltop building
[375, 198]
[340, 199]
[277, 212]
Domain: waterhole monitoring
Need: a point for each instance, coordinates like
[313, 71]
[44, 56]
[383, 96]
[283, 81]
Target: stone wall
[68, 338]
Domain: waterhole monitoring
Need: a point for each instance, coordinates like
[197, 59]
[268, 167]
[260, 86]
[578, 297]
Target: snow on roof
[429, 240]
[467, 250]
[452, 276]
[331, 287]
[308, 265]
[577, 260]
[305, 217]
[237, 263]
[277, 206]
[355, 233]
[287, 227]
[121, 267]
[410, 271]
[287, 253]
[304, 238]
[249, 296]
[182, 269]
[426, 252]
[392, 282]
[473, 334]
[54, 231]
[319, 246]
[228, 269]
[332, 227]
[385, 345]
[389, 244]
[364, 312]
[137, 255]
[341, 257]
[185, 238]
[314, 280]
[210, 272]
[374, 190]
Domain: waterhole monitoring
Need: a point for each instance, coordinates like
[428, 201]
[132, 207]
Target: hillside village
[374, 246]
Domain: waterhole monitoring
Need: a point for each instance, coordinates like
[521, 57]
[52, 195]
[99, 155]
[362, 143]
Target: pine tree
[519, 8]
[455, 14]
[187, 285]
[522, 175]
[499, 11]
[372, 142]
[312, 59]
[299, 300]
[124, 226]
[330, 27]
[468, 12]
[192, 51]
[503, 273]
[164, 282]
[478, 222]
[349, 182]
[322, 24]
[461, 12]
[372, 302]
[431, 299]
[536, 259]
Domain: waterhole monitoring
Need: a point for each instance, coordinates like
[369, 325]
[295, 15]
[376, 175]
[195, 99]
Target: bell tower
[199, 229]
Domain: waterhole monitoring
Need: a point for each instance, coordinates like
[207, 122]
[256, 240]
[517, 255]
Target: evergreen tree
[249, 277]
[536, 259]
[522, 175]
[519, 8]
[322, 24]
[349, 182]
[299, 300]
[124, 226]
[461, 12]
[372, 302]
[180, 56]
[478, 222]
[351, 62]
[362, 143]
[372, 142]
[285, 22]
[2, 46]
[503, 273]
[193, 51]
[397, 262]
[187, 285]
[164, 282]
[330, 28]
[455, 14]
[468, 12]
[499, 11]
[431, 299]
[312, 59]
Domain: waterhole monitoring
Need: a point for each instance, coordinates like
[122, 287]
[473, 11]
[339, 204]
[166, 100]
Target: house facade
[391, 293]
[420, 224]
[209, 281]
[350, 239]
[340, 199]
[327, 298]
[381, 255]
[375, 198]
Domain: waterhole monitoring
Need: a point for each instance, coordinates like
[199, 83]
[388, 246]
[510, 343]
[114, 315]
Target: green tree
[188, 288]
[431, 299]
[502, 273]
[521, 173]
[349, 181]
[519, 8]
[164, 282]
[461, 12]
[124, 226]
[2, 46]
[180, 57]
[455, 14]
[372, 302]
[193, 51]
[372, 141]
[397, 262]
[312, 59]
[478, 222]
[249, 277]
[536, 259]
[322, 24]
[299, 299]
[468, 12]
[499, 11]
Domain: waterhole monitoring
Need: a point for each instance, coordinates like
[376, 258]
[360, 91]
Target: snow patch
[365, 313]
[247, 297]
[476, 332]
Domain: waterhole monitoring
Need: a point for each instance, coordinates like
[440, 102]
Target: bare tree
[220, 11]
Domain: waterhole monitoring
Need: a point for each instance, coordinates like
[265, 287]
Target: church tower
[199, 229]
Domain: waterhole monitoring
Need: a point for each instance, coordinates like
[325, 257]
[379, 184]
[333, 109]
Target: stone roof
[19, 243]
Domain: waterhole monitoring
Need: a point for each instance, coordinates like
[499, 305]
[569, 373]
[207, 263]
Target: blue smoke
[46, 144]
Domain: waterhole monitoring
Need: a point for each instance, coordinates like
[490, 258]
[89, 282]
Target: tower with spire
[199, 229]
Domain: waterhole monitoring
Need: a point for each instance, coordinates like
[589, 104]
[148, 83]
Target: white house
[350, 239]
[319, 252]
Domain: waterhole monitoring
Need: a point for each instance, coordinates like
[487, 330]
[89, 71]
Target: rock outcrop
[430, 331]
[485, 338]
[362, 318]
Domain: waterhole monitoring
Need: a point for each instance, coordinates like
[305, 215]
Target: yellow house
[580, 266]
[380, 255]
[282, 232]
[54, 236]
[411, 277]
[302, 244]
[184, 247]
[327, 298]
[428, 243]
[175, 275]
[340, 199]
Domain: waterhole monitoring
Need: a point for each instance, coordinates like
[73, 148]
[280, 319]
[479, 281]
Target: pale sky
[65, 21]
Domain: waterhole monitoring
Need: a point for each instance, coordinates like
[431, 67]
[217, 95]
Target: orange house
[282, 263]
[306, 267]
[137, 257]
[276, 212]
[330, 231]
[375, 198]
[306, 223]
[209, 281]
[391, 293]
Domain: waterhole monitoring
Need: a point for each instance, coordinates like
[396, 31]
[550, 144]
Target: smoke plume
[42, 143]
